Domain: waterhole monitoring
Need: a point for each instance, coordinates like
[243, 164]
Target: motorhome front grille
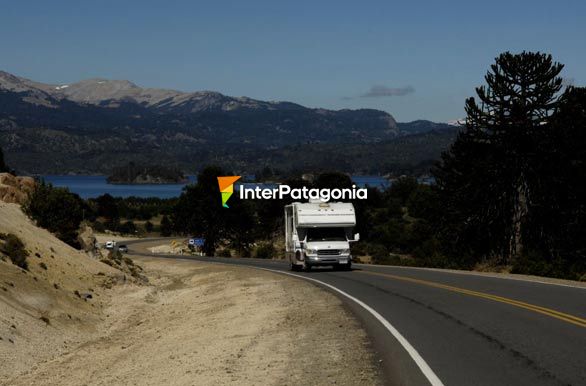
[328, 252]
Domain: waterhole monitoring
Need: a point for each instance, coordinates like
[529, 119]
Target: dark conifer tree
[558, 216]
[199, 212]
[166, 228]
[488, 177]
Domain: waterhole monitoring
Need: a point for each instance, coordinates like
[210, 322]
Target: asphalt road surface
[442, 327]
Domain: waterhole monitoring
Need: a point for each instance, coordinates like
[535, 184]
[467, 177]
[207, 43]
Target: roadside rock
[15, 189]
[87, 240]
[125, 264]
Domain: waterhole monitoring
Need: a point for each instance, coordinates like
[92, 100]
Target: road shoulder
[200, 323]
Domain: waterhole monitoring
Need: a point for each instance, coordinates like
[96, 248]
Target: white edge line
[432, 378]
[419, 361]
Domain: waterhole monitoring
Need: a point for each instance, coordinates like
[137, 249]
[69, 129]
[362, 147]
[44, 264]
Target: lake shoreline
[92, 186]
[183, 182]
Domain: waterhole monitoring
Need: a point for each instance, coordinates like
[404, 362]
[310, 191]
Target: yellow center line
[532, 307]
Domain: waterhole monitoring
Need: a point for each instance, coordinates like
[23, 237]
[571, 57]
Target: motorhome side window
[326, 234]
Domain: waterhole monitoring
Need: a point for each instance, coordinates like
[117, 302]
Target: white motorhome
[319, 234]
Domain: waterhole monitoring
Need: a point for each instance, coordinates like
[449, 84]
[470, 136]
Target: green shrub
[98, 227]
[224, 253]
[359, 249]
[377, 251]
[166, 227]
[265, 251]
[389, 259]
[428, 254]
[535, 263]
[128, 228]
[57, 210]
[13, 247]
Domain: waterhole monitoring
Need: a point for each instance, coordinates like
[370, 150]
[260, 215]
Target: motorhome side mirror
[356, 236]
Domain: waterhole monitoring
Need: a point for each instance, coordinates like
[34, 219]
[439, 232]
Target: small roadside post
[197, 243]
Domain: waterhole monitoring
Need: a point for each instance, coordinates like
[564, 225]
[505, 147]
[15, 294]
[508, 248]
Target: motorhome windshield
[326, 234]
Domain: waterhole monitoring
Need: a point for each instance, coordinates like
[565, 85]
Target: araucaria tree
[489, 177]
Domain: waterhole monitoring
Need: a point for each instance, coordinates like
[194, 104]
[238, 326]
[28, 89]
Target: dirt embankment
[201, 324]
[192, 324]
[56, 303]
[15, 189]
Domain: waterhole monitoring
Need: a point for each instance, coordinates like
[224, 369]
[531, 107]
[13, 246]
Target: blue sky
[414, 59]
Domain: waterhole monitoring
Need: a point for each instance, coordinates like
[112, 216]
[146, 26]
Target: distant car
[123, 248]
[110, 244]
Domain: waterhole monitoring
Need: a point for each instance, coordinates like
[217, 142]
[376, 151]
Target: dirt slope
[192, 324]
[201, 324]
[15, 189]
[30, 299]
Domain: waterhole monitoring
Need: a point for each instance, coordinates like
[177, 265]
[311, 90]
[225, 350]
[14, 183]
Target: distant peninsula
[146, 174]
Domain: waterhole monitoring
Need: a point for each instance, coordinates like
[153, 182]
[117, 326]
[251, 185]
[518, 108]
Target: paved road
[464, 329]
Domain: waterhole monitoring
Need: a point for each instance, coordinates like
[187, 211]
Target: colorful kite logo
[226, 185]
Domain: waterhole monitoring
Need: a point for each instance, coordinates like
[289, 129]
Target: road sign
[197, 242]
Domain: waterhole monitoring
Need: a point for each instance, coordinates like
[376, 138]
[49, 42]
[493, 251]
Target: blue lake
[94, 186]
[371, 181]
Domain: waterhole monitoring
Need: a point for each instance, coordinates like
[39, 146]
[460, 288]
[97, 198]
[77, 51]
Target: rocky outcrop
[115, 259]
[15, 189]
[87, 240]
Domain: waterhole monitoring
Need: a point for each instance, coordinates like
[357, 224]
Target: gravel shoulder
[204, 324]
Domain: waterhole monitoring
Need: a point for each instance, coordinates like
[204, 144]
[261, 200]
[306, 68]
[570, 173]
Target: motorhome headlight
[311, 251]
[345, 252]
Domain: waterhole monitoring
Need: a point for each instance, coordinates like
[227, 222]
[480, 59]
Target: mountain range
[95, 125]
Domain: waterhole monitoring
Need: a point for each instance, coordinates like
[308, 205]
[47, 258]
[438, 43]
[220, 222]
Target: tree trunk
[519, 213]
